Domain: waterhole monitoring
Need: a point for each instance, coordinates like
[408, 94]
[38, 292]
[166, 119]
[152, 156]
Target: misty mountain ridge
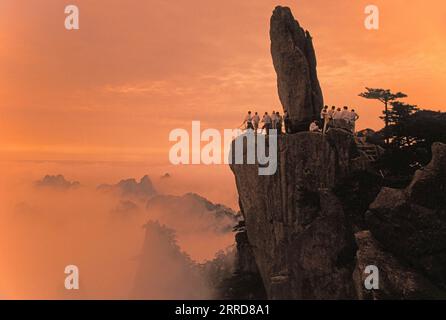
[143, 189]
[202, 214]
[56, 182]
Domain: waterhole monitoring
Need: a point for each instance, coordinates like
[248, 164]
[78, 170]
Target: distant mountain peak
[143, 189]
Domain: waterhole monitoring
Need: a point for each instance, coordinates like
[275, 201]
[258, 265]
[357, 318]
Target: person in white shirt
[353, 117]
[256, 121]
[337, 116]
[314, 127]
[266, 122]
[332, 112]
[325, 118]
[345, 114]
[273, 120]
[248, 121]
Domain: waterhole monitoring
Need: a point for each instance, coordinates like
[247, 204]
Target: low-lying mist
[44, 228]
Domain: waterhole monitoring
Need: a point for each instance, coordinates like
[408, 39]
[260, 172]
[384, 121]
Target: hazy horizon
[114, 89]
[96, 105]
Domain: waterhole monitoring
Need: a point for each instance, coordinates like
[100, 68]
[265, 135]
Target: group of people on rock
[330, 118]
[273, 121]
[336, 118]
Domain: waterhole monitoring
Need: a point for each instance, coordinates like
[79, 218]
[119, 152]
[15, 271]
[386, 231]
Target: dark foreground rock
[411, 222]
[396, 280]
[304, 242]
[245, 282]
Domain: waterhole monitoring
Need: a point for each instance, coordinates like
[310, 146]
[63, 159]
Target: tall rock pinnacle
[294, 60]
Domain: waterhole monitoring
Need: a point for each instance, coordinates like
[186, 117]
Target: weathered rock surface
[294, 60]
[301, 229]
[411, 223]
[396, 280]
[302, 222]
[246, 274]
[301, 240]
[245, 260]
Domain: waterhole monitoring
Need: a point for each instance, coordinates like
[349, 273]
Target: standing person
[255, 122]
[248, 121]
[279, 120]
[337, 116]
[325, 118]
[331, 113]
[325, 107]
[353, 117]
[266, 122]
[273, 120]
[345, 114]
[286, 122]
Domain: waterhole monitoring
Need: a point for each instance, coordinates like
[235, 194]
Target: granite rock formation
[294, 60]
[313, 226]
[245, 282]
[411, 222]
[303, 236]
[396, 279]
[300, 237]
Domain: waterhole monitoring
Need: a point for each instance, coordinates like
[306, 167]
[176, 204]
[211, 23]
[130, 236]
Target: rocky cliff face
[301, 240]
[411, 223]
[397, 279]
[311, 228]
[294, 60]
[305, 244]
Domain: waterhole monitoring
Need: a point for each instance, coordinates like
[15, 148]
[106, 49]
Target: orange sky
[137, 69]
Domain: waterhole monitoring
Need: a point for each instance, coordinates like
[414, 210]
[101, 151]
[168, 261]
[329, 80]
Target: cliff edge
[314, 226]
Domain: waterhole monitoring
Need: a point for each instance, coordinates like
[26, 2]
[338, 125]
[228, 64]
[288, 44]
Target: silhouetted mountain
[56, 182]
[126, 208]
[131, 188]
[165, 272]
[192, 213]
